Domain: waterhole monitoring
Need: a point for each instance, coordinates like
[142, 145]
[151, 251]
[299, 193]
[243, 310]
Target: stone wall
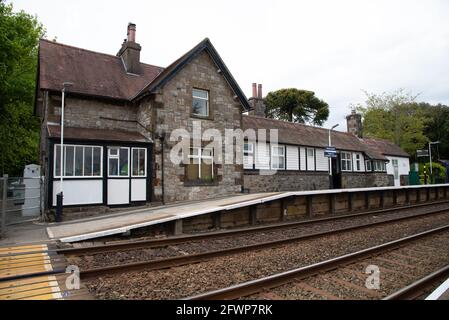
[299, 181]
[363, 180]
[285, 181]
[90, 113]
[171, 109]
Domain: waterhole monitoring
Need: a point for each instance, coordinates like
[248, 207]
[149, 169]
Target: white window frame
[200, 157]
[395, 164]
[380, 166]
[276, 154]
[368, 166]
[201, 98]
[358, 163]
[132, 162]
[249, 152]
[347, 159]
[117, 156]
[57, 157]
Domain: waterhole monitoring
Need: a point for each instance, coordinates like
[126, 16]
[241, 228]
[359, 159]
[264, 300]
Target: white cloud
[335, 48]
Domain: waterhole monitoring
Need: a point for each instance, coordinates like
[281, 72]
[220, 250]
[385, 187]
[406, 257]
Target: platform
[440, 293]
[32, 272]
[132, 219]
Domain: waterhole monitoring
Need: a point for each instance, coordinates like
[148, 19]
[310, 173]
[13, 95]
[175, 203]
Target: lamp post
[430, 159]
[60, 196]
[331, 183]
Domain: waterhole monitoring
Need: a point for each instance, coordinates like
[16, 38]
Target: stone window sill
[196, 116]
[200, 183]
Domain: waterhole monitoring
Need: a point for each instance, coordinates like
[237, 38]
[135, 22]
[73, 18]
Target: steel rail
[200, 257]
[416, 288]
[265, 283]
[136, 244]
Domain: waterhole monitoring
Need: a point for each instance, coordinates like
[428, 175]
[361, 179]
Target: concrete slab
[25, 233]
[105, 225]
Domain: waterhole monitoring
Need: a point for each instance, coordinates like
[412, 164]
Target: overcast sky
[334, 48]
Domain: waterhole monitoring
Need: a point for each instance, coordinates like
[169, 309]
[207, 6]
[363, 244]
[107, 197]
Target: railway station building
[119, 114]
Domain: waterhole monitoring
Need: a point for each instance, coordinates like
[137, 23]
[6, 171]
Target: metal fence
[20, 200]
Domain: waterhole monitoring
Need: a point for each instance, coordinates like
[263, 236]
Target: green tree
[395, 117]
[19, 128]
[437, 127]
[296, 105]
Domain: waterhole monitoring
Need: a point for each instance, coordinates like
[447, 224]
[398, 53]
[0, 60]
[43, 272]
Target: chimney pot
[131, 32]
[259, 92]
[254, 90]
[130, 51]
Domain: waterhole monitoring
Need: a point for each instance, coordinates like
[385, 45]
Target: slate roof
[385, 147]
[305, 135]
[92, 73]
[103, 75]
[54, 131]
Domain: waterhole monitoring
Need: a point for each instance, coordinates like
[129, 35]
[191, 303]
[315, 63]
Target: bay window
[139, 162]
[79, 161]
[118, 159]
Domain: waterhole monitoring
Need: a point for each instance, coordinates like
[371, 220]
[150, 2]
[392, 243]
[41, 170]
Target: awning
[54, 131]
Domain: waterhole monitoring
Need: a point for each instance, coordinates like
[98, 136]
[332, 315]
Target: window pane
[57, 160]
[113, 151]
[113, 167]
[281, 162]
[206, 171]
[194, 151]
[275, 163]
[200, 107]
[192, 172]
[69, 160]
[79, 161]
[142, 156]
[88, 161]
[135, 157]
[97, 162]
[200, 93]
[123, 162]
[207, 152]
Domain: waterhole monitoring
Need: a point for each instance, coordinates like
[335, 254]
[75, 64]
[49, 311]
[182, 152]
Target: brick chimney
[354, 123]
[256, 102]
[130, 51]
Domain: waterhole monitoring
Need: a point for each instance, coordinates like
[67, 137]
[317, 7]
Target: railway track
[175, 240]
[329, 279]
[183, 259]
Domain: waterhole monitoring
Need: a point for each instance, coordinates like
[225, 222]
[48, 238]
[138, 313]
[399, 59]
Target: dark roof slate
[92, 73]
[385, 147]
[301, 134]
[54, 131]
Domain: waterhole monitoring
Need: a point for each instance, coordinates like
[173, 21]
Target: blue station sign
[330, 152]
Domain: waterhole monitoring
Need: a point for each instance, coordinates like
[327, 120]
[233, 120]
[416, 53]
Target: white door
[397, 183]
[118, 175]
[138, 174]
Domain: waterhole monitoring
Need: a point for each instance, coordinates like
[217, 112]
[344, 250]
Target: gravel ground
[393, 275]
[200, 246]
[221, 272]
